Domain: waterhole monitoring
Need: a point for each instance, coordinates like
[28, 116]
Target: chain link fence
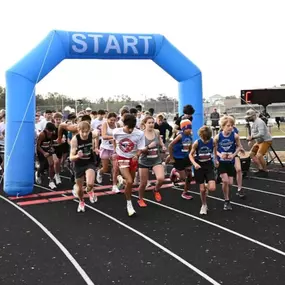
[165, 106]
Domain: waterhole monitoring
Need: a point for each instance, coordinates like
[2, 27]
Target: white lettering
[112, 44]
[80, 43]
[132, 44]
[96, 41]
[77, 38]
[146, 43]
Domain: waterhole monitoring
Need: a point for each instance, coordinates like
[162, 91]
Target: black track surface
[28, 255]
[113, 254]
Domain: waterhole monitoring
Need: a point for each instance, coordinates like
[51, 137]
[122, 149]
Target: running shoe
[57, 179]
[81, 207]
[52, 185]
[115, 189]
[130, 209]
[92, 197]
[99, 177]
[227, 206]
[203, 210]
[241, 193]
[74, 191]
[186, 196]
[142, 203]
[157, 196]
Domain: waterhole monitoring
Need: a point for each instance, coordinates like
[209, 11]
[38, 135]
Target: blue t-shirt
[226, 145]
[204, 151]
[182, 147]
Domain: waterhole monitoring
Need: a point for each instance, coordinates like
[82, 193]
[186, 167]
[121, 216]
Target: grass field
[273, 130]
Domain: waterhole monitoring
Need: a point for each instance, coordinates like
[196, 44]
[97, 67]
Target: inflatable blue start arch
[22, 78]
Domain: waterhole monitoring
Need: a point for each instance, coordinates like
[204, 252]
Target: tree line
[56, 101]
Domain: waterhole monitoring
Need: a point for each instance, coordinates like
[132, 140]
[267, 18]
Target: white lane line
[247, 188]
[65, 177]
[56, 241]
[276, 171]
[217, 226]
[177, 257]
[234, 203]
[261, 191]
[267, 179]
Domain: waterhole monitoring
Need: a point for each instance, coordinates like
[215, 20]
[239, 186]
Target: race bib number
[205, 156]
[152, 153]
[186, 147]
[226, 154]
[123, 163]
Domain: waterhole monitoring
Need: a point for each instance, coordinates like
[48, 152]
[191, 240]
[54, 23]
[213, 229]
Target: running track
[167, 243]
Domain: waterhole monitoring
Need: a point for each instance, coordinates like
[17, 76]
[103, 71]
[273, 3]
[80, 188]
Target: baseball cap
[88, 109]
[185, 124]
[250, 113]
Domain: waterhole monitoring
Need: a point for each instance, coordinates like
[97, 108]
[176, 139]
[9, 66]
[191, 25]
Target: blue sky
[236, 44]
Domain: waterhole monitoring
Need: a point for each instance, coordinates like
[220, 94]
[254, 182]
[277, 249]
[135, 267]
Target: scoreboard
[263, 96]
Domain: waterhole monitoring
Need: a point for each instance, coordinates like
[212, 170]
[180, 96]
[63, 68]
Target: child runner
[179, 150]
[107, 150]
[151, 159]
[201, 156]
[128, 144]
[238, 169]
[81, 152]
[227, 146]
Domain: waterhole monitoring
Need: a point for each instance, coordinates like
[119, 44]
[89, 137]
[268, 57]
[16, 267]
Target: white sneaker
[148, 184]
[38, 178]
[130, 209]
[81, 207]
[51, 185]
[204, 210]
[92, 197]
[115, 189]
[99, 177]
[37, 165]
[57, 179]
[74, 191]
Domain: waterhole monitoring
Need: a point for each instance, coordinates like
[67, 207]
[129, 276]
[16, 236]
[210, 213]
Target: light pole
[77, 102]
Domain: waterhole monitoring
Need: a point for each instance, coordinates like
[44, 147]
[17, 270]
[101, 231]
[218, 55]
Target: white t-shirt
[38, 127]
[41, 125]
[128, 144]
[97, 125]
[139, 121]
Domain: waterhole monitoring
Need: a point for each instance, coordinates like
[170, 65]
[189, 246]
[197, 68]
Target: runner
[45, 152]
[128, 144]
[107, 150]
[201, 156]
[150, 159]
[81, 153]
[227, 146]
[179, 150]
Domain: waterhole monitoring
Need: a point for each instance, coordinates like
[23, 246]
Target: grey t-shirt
[259, 131]
[152, 157]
